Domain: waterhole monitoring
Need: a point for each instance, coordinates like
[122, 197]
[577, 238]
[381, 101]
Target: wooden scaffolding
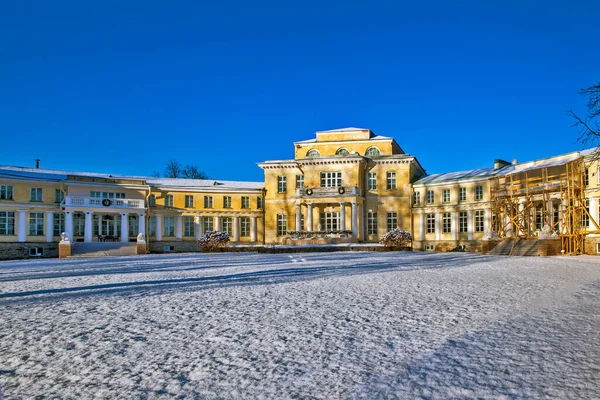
[554, 195]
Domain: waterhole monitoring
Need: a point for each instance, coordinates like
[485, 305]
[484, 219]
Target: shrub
[396, 238]
[213, 240]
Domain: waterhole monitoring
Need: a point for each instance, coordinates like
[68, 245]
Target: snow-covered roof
[462, 175]
[348, 129]
[199, 183]
[375, 137]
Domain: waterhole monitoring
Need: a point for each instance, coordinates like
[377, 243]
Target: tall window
[330, 221]
[260, 203]
[228, 225]
[78, 224]
[299, 181]
[226, 201]
[331, 179]
[390, 180]
[152, 200]
[208, 224]
[372, 151]
[7, 223]
[189, 227]
[416, 198]
[301, 227]
[585, 220]
[371, 181]
[430, 197]
[462, 222]
[244, 226]
[169, 226]
[462, 194]
[478, 192]
[392, 221]
[371, 223]
[445, 195]
[281, 224]
[208, 202]
[430, 223]
[59, 224]
[6, 192]
[245, 201]
[586, 177]
[59, 196]
[134, 226]
[36, 194]
[36, 223]
[539, 216]
[446, 222]
[169, 200]
[152, 226]
[189, 201]
[281, 184]
[479, 220]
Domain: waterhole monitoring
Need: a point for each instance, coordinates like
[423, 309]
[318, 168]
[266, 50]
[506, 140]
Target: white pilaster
[142, 224]
[486, 219]
[116, 219]
[198, 227]
[124, 227]
[22, 226]
[69, 224]
[178, 227]
[159, 227]
[361, 222]
[454, 225]
[49, 226]
[438, 227]
[593, 211]
[470, 224]
[343, 216]
[89, 225]
[298, 216]
[354, 220]
[422, 227]
[236, 229]
[253, 229]
[218, 223]
[309, 219]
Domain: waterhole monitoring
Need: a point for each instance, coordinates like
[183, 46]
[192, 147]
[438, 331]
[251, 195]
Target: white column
[438, 226]
[343, 216]
[486, 219]
[69, 224]
[309, 219]
[124, 227]
[22, 226]
[253, 229]
[198, 227]
[521, 217]
[178, 227]
[454, 225]
[142, 223]
[298, 216]
[361, 223]
[470, 224]
[422, 227]
[236, 229]
[159, 227]
[116, 218]
[89, 225]
[49, 226]
[593, 211]
[354, 220]
[218, 223]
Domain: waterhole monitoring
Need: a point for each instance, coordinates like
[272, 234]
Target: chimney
[37, 163]
[514, 161]
[500, 164]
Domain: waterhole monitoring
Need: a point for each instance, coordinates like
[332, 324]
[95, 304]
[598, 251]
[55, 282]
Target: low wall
[15, 251]
[549, 247]
[449, 245]
[304, 242]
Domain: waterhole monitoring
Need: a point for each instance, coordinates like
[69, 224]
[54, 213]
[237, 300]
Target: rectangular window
[585, 221]
[36, 223]
[479, 220]
[281, 184]
[372, 181]
[169, 200]
[586, 177]
[301, 227]
[330, 221]
[331, 179]
[169, 228]
[245, 202]
[189, 201]
[6, 192]
[445, 195]
[189, 227]
[7, 223]
[478, 192]
[107, 195]
[281, 224]
[390, 180]
[36, 194]
[430, 197]
[208, 224]
[299, 181]
[152, 200]
[226, 201]
[416, 198]
[228, 225]
[59, 196]
[59, 224]
[371, 223]
[392, 221]
[446, 222]
[462, 222]
[134, 227]
[208, 202]
[244, 226]
[430, 223]
[260, 203]
[462, 194]
[152, 226]
[78, 224]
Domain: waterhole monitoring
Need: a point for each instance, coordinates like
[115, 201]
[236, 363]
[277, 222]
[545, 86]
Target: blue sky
[122, 87]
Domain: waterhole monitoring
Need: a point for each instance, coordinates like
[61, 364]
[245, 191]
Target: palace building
[344, 186]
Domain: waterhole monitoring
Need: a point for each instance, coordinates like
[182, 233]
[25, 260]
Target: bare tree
[193, 172]
[156, 174]
[589, 125]
[173, 169]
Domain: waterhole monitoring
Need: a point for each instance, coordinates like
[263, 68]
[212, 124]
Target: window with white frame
[260, 203]
[478, 192]
[331, 179]
[430, 197]
[59, 196]
[281, 224]
[445, 195]
[301, 227]
[479, 215]
[227, 225]
[245, 201]
[36, 194]
[586, 177]
[392, 221]
[59, 223]
[169, 226]
[7, 223]
[134, 226]
[208, 224]
[299, 181]
[107, 195]
[462, 194]
[78, 224]
[226, 201]
[244, 226]
[446, 222]
[208, 202]
[371, 223]
[390, 180]
[169, 200]
[152, 200]
[430, 219]
[281, 184]
[152, 226]
[36, 223]
[189, 201]
[313, 153]
[372, 151]
[372, 181]
[462, 222]
[416, 198]
[189, 226]
[342, 152]
[330, 220]
[6, 192]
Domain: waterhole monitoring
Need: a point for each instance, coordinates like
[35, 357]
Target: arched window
[342, 152]
[372, 151]
[313, 153]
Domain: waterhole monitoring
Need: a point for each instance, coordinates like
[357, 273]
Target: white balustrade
[83, 201]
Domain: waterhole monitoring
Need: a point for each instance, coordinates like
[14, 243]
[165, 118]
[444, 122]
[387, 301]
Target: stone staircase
[103, 249]
[523, 247]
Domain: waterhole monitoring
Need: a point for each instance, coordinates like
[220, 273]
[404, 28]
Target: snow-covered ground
[303, 326]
